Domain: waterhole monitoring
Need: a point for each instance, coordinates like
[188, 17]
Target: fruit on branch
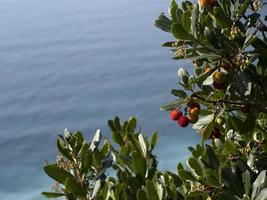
[193, 109]
[216, 133]
[175, 114]
[245, 108]
[218, 86]
[207, 3]
[207, 69]
[183, 121]
[219, 77]
[220, 120]
[227, 67]
[192, 118]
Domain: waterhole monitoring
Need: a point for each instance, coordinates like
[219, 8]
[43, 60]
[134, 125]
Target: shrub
[225, 98]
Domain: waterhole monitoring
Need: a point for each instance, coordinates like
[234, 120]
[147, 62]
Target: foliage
[226, 42]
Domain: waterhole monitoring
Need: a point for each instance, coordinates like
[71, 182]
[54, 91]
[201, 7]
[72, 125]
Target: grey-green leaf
[74, 187]
[138, 164]
[56, 173]
[180, 33]
[52, 194]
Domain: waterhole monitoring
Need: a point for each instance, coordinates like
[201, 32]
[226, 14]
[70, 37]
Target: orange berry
[207, 69]
[192, 118]
[207, 3]
[219, 77]
[194, 111]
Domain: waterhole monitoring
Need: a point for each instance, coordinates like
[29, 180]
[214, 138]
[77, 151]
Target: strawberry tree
[222, 93]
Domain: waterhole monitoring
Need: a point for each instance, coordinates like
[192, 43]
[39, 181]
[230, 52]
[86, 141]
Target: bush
[225, 99]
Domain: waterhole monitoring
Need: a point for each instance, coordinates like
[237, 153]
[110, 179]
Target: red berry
[245, 108]
[175, 114]
[216, 133]
[183, 121]
[218, 86]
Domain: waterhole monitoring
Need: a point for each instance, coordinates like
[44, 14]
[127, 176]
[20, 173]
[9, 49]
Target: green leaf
[117, 137]
[193, 163]
[249, 124]
[208, 56]
[168, 44]
[63, 150]
[163, 23]
[213, 159]
[207, 131]
[262, 195]
[196, 195]
[187, 21]
[179, 93]
[79, 137]
[86, 157]
[171, 105]
[213, 181]
[232, 181]
[176, 180]
[131, 125]
[221, 20]
[173, 10]
[194, 20]
[52, 194]
[227, 195]
[111, 126]
[56, 173]
[151, 190]
[139, 164]
[74, 187]
[187, 5]
[96, 140]
[246, 181]
[179, 16]
[154, 140]
[142, 144]
[226, 6]
[203, 121]
[141, 195]
[203, 76]
[96, 188]
[229, 148]
[257, 185]
[105, 191]
[180, 33]
[243, 7]
[117, 123]
[183, 75]
[186, 175]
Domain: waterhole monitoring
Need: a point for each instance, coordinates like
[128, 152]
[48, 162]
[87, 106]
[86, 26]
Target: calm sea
[75, 64]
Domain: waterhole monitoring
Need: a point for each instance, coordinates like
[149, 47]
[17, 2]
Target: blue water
[76, 64]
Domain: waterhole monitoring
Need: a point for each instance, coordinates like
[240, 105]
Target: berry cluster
[191, 116]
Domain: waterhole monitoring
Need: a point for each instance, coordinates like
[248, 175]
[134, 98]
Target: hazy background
[75, 64]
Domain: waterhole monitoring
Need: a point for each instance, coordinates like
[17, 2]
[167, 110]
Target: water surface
[76, 64]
